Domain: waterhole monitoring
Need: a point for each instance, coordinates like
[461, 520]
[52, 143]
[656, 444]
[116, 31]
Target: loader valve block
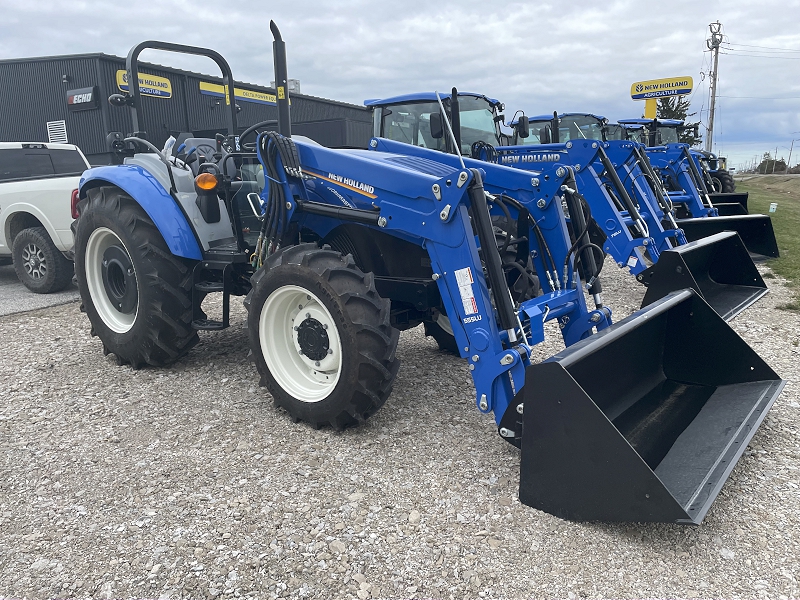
[119, 279]
[313, 339]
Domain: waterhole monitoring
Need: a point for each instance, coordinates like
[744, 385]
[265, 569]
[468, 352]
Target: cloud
[535, 56]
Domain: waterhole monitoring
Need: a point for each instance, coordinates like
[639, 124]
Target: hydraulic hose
[633, 212]
[551, 269]
[583, 247]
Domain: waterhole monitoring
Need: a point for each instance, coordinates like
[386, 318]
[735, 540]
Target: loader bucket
[727, 209]
[731, 197]
[755, 230]
[654, 439]
[717, 267]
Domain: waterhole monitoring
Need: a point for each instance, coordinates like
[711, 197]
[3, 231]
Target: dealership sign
[220, 91]
[149, 85]
[659, 88]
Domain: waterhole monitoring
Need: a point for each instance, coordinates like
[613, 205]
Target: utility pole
[789, 162]
[713, 44]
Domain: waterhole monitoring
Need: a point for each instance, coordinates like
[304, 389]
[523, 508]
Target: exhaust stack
[281, 81]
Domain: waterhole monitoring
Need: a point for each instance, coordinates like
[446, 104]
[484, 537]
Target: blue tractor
[681, 172]
[631, 216]
[336, 251]
[660, 132]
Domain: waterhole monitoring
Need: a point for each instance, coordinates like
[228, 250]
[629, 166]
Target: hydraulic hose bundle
[582, 248]
[275, 151]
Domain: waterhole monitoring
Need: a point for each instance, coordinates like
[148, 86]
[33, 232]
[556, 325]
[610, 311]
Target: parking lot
[15, 297]
[187, 482]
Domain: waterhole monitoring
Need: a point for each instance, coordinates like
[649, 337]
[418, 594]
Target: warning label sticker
[465, 281]
[632, 261]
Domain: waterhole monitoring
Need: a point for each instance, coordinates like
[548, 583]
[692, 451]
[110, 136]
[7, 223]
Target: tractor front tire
[136, 293]
[321, 336]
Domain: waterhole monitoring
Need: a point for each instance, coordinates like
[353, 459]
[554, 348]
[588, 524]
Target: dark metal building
[64, 99]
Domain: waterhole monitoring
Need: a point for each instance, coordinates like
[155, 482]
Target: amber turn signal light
[206, 182]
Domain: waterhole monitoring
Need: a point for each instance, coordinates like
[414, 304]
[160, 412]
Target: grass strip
[785, 191]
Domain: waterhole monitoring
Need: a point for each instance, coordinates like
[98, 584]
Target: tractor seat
[205, 148]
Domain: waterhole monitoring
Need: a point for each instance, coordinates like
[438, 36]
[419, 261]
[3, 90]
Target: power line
[760, 56]
[760, 97]
[763, 47]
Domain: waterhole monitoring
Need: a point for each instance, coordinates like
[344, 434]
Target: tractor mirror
[436, 126]
[523, 127]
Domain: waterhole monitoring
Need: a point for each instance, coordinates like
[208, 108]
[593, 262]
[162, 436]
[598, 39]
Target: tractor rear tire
[136, 293]
[726, 181]
[441, 331]
[321, 336]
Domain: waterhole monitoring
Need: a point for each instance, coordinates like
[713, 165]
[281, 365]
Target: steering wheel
[251, 147]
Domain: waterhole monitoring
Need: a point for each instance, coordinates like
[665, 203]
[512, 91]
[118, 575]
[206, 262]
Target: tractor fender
[156, 201]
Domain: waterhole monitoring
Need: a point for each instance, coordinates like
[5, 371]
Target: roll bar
[132, 67]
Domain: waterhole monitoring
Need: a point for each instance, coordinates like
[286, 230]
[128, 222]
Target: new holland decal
[509, 159]
[350, 184]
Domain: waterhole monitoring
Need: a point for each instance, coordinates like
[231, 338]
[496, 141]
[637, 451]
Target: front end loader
[631, 216]
[354, 245]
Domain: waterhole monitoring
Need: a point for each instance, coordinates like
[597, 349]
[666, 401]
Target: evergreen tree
[677, 107]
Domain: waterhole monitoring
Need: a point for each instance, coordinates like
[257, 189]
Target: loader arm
[433, 202]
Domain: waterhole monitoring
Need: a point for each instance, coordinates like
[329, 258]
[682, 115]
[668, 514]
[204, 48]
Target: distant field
[786, 221]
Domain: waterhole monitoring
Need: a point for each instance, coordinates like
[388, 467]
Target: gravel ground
[187, 482]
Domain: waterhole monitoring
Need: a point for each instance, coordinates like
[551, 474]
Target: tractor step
[209, 287]
[208, 325]
[201, 322]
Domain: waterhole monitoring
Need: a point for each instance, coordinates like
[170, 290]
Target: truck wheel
[321, 336]
[39, 265]
[137, 295]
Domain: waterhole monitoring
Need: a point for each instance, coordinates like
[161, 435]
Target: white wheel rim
[100, 240]
[285, 309]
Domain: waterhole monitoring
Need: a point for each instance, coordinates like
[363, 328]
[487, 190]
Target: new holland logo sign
[658, 88]
[149, 85]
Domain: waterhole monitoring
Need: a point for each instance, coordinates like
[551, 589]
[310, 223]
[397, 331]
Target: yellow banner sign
[149, 85]
[658, 88]
[218, 90]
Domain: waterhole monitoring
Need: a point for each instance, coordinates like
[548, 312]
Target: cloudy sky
[537, 56]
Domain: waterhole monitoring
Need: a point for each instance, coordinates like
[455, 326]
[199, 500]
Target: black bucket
[755, 230]
[739, 198]
[644, 421]
[717, 267]
[727, 209]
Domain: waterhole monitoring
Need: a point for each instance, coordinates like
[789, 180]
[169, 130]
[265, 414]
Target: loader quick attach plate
[755, 230]
[657, 440]
[717, 267]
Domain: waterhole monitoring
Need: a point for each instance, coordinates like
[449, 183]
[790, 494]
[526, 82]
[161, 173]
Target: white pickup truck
[38, 185]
